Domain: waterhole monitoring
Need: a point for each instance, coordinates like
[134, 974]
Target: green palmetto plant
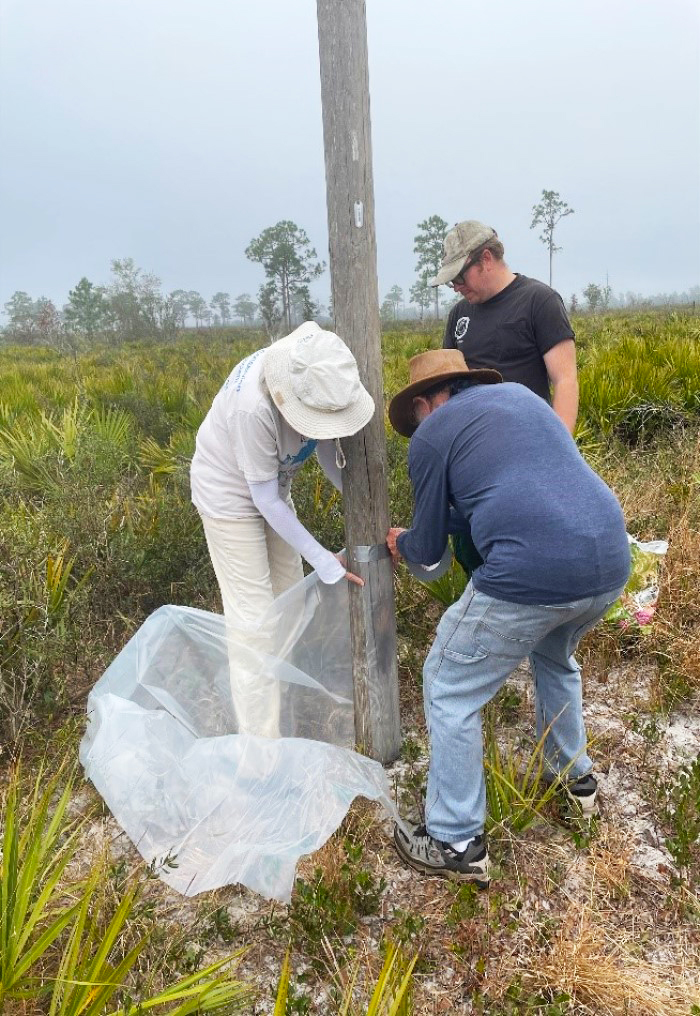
[516, 795]
[40, 604]
[161, 460]
[34, 910]
[24, 445]
[157, 459]
[391, 995]
[119, 380]
[112, 425]
[450, 586]
[59, 571]
[67, 428]
[192, 415]
[640, 385]
[61, 941]
[172, 395]
[392, 992]
[683, 358]
[322, 505]
[589, 443]
[39, 448]
[88, 984]
[7, 413]
[18, 393]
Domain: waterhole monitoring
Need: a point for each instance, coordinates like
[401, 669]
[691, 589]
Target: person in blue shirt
[493, 457]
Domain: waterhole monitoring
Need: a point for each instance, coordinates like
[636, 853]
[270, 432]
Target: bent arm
[424, 543]
[325, 453]
[560, 362]
[280, 516]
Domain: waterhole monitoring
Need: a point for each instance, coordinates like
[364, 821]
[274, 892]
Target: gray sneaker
[583, 792]
[432, 857]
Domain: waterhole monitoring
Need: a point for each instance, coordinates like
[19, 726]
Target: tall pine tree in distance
[428, 245]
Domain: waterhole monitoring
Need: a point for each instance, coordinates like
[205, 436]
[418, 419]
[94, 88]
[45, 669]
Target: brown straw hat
[426, 370]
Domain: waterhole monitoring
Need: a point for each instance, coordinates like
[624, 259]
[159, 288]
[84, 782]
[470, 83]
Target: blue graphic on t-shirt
[307, 448]
[237, 376]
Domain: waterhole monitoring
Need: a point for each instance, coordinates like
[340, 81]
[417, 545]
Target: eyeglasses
[459, 279]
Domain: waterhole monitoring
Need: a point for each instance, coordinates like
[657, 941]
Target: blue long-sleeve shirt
[497, 458]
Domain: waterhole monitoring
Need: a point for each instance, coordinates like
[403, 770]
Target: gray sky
[173, 131]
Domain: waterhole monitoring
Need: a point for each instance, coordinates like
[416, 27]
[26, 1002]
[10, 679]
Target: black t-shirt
[511, 332]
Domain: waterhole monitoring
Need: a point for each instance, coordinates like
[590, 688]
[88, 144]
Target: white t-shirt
[243, 439]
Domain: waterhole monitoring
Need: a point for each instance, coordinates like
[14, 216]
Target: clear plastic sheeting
[210, 805]
[637, 604]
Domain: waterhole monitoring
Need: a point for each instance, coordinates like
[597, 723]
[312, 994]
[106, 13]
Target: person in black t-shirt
[507, 321]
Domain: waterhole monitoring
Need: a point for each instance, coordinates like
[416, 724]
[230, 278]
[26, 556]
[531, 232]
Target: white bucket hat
[314, 382]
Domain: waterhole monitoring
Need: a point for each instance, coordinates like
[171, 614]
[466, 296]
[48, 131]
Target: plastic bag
[209, 806]
[637, 605]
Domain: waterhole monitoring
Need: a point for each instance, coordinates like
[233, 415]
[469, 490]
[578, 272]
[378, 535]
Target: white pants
[253, 566]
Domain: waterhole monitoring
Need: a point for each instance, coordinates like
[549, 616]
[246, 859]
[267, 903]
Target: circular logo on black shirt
[461, 327]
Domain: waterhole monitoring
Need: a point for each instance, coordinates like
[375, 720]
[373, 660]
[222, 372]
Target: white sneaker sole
[586, 804]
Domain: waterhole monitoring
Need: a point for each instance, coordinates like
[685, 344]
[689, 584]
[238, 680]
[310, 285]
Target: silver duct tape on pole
[373, 564]
[378, 551]
[375, 552]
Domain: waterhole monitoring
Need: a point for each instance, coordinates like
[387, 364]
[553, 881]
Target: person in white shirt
[279, 406]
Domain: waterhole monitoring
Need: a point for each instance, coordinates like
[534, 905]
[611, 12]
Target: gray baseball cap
[459, 243]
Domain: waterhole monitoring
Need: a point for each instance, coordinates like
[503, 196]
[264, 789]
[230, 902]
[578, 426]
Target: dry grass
[609, 860]
[679, 616]
[659, 489]
[598, 972]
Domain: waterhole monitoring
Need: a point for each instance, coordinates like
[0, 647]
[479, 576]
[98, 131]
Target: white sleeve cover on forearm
[280, 516]
[325, 453]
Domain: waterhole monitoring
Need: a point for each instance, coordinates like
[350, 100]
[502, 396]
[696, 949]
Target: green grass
[97, 530]
[65, 943]
[94, 455]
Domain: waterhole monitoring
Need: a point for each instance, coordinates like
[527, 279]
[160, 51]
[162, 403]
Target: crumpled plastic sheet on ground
[209, 806]
[637, 604]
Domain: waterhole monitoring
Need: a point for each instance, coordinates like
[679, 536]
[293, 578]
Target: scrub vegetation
[97, 530]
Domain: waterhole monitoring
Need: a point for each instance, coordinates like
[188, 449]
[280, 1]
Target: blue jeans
[479, 643]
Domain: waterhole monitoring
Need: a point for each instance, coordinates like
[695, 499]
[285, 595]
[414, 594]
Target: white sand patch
[625, 806]
[602, 719]
[682, 739]
[632, 684]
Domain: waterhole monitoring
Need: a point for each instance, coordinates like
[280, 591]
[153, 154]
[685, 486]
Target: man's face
[472, 282]
[423, 407]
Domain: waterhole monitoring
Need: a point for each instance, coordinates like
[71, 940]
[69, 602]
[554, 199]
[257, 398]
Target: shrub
[679, 814]
[329, 907]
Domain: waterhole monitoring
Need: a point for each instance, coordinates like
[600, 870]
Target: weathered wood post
[342, 35]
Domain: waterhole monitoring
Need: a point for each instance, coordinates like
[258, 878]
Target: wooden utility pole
[342, 36]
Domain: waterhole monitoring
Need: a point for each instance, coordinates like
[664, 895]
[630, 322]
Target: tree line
[133, 306]
[546, 213]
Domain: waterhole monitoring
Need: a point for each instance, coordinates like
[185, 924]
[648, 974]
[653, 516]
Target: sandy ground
[619, 881]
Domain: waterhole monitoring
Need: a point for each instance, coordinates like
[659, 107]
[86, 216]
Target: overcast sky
[174, 131]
